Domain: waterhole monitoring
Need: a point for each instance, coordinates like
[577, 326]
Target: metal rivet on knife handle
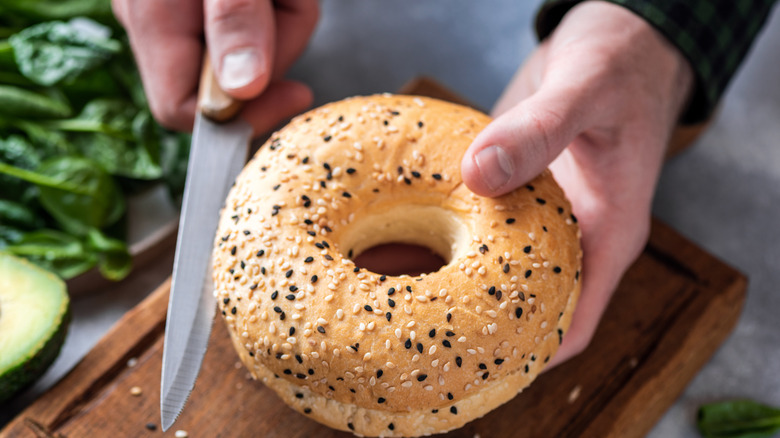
[213, 102]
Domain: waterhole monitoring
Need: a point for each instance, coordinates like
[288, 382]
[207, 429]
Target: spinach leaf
[44, 10]
[19, 215]
[114, 134]
[52, 51]
[98, 205]
[19, 103]
[738, 419]
[114, 261]
[61, 253]
[9, 235]
[75, 191]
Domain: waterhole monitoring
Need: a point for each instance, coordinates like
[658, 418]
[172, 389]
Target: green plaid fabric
[714, 35]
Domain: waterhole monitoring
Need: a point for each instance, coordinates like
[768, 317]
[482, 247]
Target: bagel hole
[398, 259]
[408, 239]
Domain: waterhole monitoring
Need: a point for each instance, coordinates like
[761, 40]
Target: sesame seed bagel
[382, 355]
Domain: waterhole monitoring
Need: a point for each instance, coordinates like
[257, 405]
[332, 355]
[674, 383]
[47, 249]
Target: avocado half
[34, 317]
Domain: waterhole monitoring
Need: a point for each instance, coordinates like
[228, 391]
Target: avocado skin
[23, 375]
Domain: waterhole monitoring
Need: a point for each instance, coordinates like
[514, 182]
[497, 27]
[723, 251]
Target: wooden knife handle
[213, 102]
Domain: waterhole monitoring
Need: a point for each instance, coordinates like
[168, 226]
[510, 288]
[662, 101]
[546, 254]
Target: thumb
[240, 38]
[518, 145]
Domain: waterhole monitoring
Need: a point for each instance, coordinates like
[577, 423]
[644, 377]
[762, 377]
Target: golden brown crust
[427, 353]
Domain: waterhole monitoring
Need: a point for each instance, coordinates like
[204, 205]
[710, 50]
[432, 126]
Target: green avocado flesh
[34, 315]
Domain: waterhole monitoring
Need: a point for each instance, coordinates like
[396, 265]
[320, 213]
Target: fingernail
[495, 166]
[240, 67]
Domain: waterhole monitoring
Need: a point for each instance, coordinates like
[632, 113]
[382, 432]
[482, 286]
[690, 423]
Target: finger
[169, 71]
[280, 101]
[521, 143]
[240, 38]
[295, 22]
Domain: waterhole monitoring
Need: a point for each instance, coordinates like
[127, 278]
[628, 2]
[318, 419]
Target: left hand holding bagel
[597, 103]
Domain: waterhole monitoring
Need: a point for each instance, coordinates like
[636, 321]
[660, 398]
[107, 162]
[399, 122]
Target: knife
[218, 152]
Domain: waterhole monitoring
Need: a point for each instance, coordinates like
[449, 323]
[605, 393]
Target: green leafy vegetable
[49, 52]
[76, 136]
[56, 251]
[738, 419]
[17, 102]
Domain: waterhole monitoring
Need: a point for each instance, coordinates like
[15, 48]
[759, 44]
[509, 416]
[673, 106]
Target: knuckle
[228, 12]
[547, 123]
[167, 114]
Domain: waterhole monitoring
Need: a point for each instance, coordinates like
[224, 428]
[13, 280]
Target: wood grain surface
[672, 310]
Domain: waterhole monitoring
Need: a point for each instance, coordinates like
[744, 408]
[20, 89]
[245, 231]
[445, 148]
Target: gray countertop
[724, 193]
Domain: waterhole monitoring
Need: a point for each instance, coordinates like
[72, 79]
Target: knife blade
[217, 154]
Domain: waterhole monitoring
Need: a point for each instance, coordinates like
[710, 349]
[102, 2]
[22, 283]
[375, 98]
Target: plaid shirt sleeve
[714, 35]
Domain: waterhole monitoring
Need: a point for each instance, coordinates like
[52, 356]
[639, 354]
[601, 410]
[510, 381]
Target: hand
[251, 43]
[597, 102]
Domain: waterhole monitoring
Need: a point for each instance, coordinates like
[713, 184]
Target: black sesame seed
[151, 426]
[311, 233]
[305, 160]
[449, 333]
[233, 251]
[420, 124]
[526, 368]
[560, 336]
[225, 300]
[408, 344]
[293, 288]
[288, 371]
[282, 316]
[454, 410]
[409, 289]
[331, 387]
[458, 361]
[314, 279]
[492, 290]
[310, 371]
[292, 331]
[498, 361]
[328, 257]
[485, 376]
[308, 222]
[436, 176]
[289, 273]
[277, 309]
[262, 270]
[449, 317]
[319, 245]
[557, 269]
[527, 249]
[253, 287]
[307, 410]
[510, 221]
[482, 366]
[432, 333]
[356, 269]
[573, 218]
[446, 343]
[391, 426]
[390, 302]
[527, 273]
[388, 315]
[519, 312]
[544, 228]
[529, 187]
[416, 174]
[274, 294]
[560, 210]
[408, 181]
[419, 347]
[351, 170]
[299, 358]
[346, 195]
[435, 411]
[380, 400]
[290, 297]
[391, 291]
[276, 187]
[498, 295]
[327, 138]
[350, 426]
[329, 176]
[422, 377]
[385, 122]
[308, 259]
[506, 268]
[233, 310]
[325, 244]
[368, 308]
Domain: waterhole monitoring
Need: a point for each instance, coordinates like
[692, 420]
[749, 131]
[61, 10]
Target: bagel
[381, 355]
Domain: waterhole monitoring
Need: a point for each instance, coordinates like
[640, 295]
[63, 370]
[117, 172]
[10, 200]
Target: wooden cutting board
[672, 310]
